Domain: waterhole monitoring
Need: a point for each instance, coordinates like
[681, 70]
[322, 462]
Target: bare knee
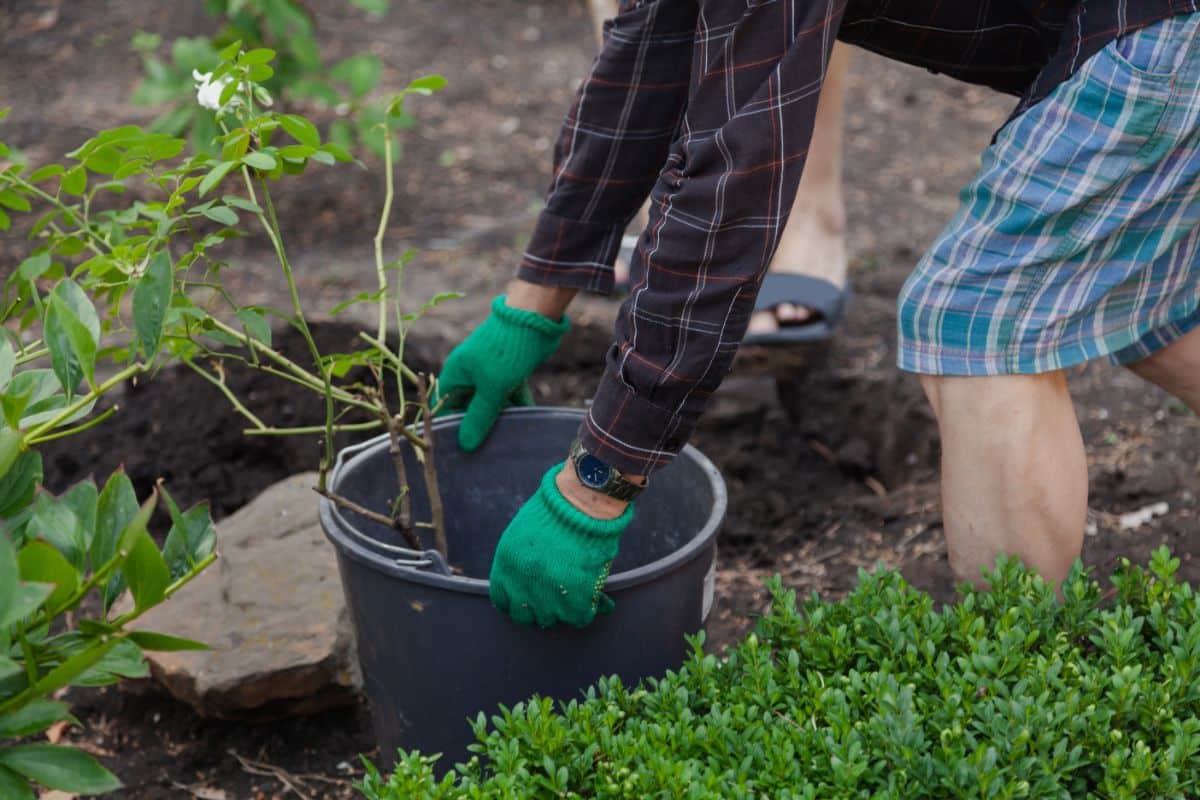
[992, 399]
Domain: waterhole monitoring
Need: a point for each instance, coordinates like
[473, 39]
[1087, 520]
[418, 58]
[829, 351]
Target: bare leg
[813, 242]
[1176, 368]
[1014, 472]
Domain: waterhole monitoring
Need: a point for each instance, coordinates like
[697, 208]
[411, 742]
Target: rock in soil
[272, 610]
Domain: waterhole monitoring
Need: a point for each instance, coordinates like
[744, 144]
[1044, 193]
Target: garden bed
[849, 483]
[828, 457]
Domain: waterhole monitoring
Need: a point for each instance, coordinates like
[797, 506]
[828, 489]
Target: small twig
[349, 427]
[436, 512]
[403, 513]
[289, 780]
[374, 516]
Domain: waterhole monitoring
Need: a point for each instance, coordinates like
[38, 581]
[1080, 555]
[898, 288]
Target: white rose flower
[208, 91]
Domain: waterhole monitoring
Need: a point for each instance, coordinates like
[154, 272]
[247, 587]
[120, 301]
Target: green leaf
[256, 325]
[41, 562]
[59, 767]
[82, 500]
[72, 348]
[242, 203]
[13, 786]
[259, 73]
[115, 509]
[55, 522]
[337, 151]
[146, 573]
[214, 176]
[361, 297]
[440, 298]
[360, 72]
[191, 539]
[428, 83]
[103, 160]
[33, 718]
[19, 483]
[28, 598]
[260, 55]
[48, 171]
[74, 181]
[260, 160]
[151, 298]
[5, 222]
[35, 266]
[8, 362]
[13, 200]
[11, 445]
[230, 51]
[124, 660]
[9, 573]
[165, 643]
[299, 129]
[221, 214]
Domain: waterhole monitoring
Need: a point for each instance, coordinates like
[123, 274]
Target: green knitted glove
[553, 560]
[488, 371]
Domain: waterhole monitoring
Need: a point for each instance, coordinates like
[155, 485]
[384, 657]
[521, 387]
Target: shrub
[300, 78]
[111, 291]
[1009, 693]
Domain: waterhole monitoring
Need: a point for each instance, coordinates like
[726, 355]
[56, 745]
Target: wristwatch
[595, 474]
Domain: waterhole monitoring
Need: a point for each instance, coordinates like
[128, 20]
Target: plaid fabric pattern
[707, 106]
[1080, 235]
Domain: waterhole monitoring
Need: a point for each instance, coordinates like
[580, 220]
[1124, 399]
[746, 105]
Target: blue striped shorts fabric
[1079, 237]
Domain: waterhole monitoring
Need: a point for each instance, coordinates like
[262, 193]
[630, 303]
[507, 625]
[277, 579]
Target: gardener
[1078, 238]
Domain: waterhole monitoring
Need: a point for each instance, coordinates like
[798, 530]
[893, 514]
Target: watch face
[593, 472]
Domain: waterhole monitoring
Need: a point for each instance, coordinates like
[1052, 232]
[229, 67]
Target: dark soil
[840, 479]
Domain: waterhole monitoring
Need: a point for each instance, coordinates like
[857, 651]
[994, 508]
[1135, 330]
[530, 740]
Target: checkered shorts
[1080, 235]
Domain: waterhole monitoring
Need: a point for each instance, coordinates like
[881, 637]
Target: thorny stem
[436, 512]
[346, 428]
[218, 381]
[374, 516]
[389, 192]
[270, 223]
[402, 517]
[91, 236]
[68, 412]
[65, 432]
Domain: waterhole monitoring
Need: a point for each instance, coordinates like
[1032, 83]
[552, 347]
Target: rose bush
[124, 274]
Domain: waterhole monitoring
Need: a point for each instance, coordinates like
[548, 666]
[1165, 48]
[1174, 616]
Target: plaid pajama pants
[1079, 237]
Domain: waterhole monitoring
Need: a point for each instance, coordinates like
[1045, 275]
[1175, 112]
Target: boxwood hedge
[1008, 693]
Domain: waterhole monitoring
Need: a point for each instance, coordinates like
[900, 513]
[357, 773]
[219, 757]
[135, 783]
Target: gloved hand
[553, 560]
[488, 371]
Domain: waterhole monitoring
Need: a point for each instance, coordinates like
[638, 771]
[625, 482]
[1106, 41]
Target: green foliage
[111, 289]
[1008, 694]
[297, 75]
[55, 552]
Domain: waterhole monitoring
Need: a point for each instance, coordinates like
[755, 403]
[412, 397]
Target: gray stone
[272, 610]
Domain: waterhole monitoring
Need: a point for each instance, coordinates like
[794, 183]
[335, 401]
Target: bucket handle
[401, 556]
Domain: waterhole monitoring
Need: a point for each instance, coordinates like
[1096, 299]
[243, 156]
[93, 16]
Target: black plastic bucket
[433, 651]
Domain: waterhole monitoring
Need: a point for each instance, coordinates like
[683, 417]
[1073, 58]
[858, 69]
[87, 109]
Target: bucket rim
[332, 521]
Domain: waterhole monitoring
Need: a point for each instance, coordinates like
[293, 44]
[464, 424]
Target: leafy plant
[154, 265]
[299, 77]
[65, 560]
[1009, 694]
[112, 289]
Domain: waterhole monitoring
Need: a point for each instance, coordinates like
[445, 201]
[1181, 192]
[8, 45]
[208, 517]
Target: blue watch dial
[593, 472]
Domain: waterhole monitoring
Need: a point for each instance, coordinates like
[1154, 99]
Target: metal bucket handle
[401, 556]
